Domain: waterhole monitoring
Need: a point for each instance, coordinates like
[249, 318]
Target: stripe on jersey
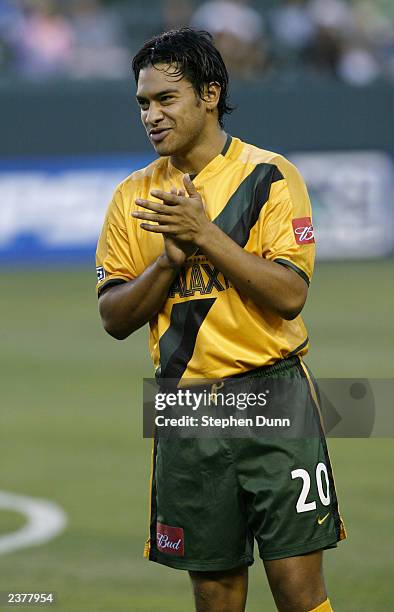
[243, 208]
[177, 343]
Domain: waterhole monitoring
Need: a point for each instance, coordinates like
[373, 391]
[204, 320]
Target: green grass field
[70, 431]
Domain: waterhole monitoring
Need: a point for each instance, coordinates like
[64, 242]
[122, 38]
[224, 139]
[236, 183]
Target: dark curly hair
[195, 57]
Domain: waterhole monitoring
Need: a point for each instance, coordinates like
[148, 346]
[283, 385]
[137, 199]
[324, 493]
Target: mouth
[157, 135]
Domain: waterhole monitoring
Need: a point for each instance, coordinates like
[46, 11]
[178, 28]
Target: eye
[143, 104]
[166, 98]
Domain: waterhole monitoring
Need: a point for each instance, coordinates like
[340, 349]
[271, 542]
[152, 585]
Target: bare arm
[127, 307]
[270, 285]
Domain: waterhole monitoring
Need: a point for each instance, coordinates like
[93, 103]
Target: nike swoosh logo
[321, 520]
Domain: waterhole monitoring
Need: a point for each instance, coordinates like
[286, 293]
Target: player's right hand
[177, 251]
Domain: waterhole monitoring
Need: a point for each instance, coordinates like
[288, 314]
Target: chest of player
[231, 203]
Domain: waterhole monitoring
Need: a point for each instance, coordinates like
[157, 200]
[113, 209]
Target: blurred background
[312, 79]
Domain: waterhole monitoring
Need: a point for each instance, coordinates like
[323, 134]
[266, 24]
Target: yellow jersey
[206, 328]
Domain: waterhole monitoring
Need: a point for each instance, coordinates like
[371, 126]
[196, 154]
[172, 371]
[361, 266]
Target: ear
[212, 95]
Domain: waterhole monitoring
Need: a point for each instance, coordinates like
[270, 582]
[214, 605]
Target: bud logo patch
[170, 540]
[303, 230]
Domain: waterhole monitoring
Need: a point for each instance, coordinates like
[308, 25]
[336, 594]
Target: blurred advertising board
[352, 200]
[51, 210]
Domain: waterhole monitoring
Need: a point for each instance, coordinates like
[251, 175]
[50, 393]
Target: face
[173, 115]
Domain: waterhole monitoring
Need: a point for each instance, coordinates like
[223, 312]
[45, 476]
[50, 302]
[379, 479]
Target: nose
[154, 114]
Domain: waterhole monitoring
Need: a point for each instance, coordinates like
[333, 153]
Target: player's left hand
[179, 216]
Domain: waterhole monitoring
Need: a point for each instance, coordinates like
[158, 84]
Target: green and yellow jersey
[206, 328]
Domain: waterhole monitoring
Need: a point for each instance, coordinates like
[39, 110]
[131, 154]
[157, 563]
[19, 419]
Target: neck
[201, 153]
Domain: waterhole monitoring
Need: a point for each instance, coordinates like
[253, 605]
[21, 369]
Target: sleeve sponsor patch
[303, 230]
[100, 273]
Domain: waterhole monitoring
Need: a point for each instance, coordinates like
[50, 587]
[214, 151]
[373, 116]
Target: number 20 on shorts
[304, 506]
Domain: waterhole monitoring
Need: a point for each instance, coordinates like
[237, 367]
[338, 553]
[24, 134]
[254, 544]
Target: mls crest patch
[100, 273]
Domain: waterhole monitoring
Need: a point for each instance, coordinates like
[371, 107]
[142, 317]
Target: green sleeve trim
[289, 264]
[109, 283]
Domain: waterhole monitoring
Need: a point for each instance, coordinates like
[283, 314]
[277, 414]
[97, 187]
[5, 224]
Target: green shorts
[212, 497]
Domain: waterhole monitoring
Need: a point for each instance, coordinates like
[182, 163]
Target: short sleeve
[288, 236]
[114, 260]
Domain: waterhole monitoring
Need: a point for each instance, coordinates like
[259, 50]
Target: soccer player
[212, 245]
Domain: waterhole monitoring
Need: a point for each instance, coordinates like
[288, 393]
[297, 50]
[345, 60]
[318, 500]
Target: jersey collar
[214, 166]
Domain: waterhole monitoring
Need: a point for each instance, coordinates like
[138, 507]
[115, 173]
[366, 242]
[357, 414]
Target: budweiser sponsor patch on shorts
[170, 540]
[303, 230]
